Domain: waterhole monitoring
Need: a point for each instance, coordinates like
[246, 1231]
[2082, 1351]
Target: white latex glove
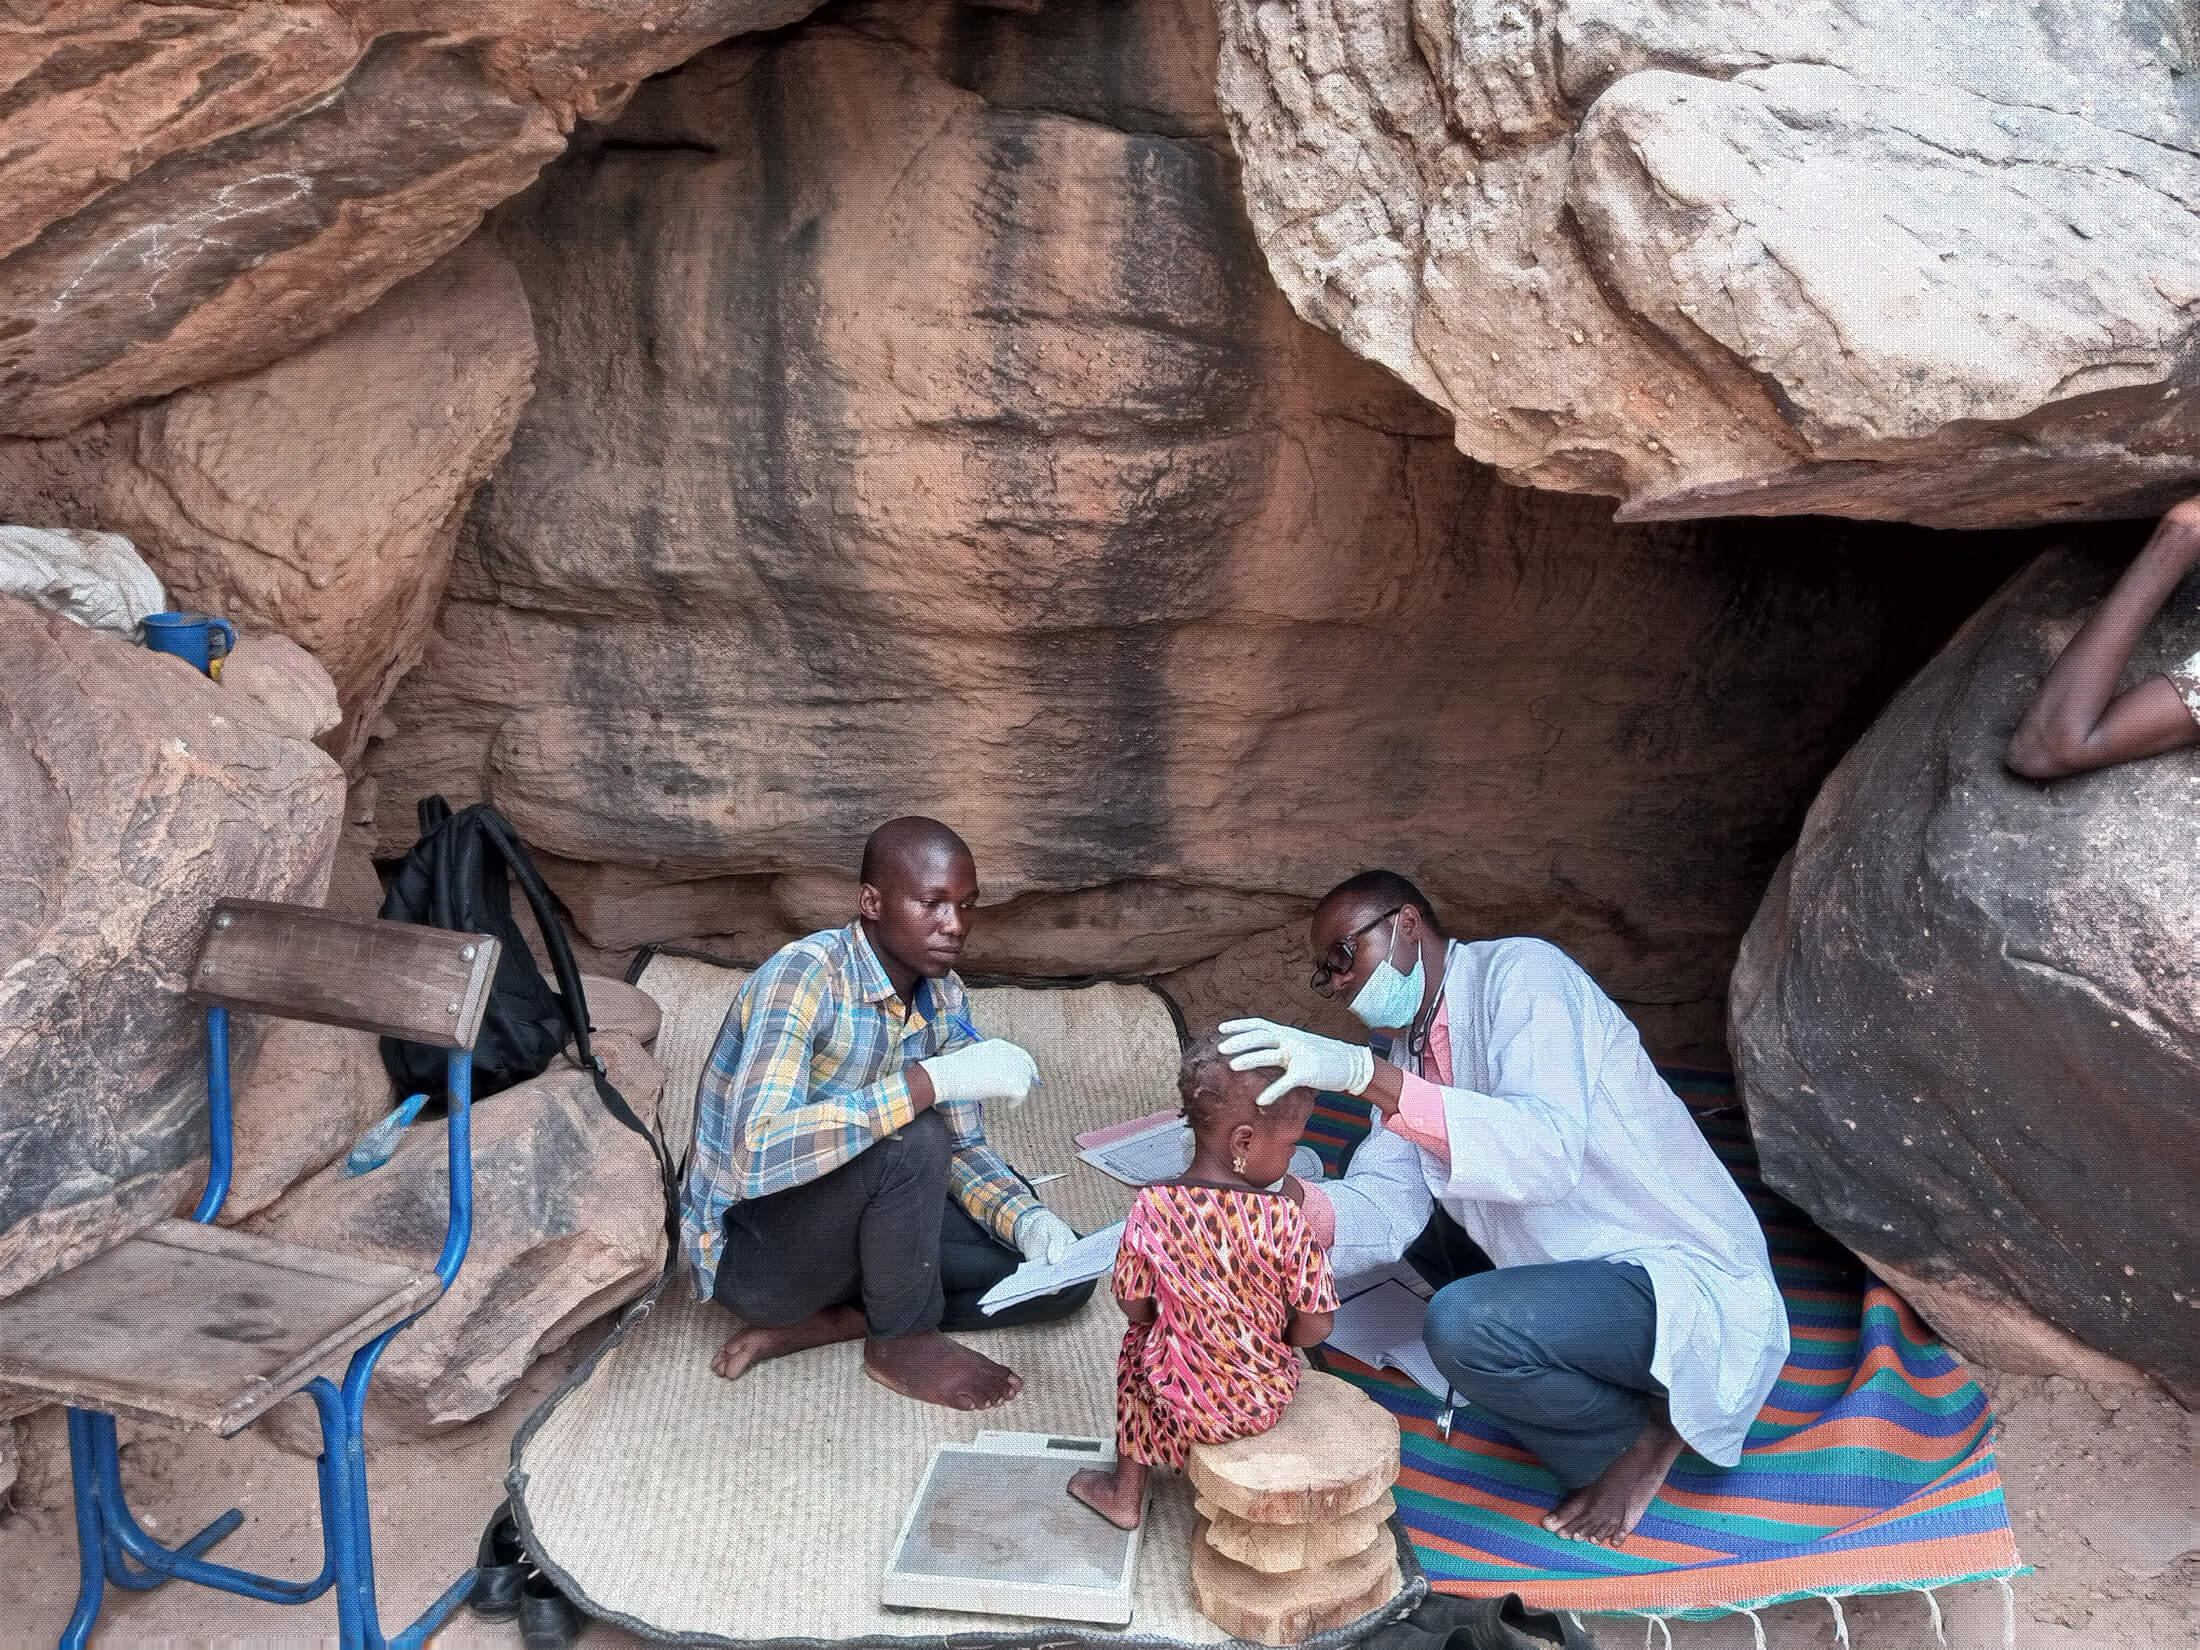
[1306, 1061]
[1044, 1236]
[995, 1069]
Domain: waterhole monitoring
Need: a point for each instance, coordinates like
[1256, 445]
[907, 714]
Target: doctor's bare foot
[1117, 1496]
[1607, 1510]
[746, 1348]
[935, 1370]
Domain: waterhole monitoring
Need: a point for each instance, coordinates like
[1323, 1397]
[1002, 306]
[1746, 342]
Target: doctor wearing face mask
[1603, 1286]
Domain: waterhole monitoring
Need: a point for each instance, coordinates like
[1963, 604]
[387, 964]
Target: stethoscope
[1417, 1037]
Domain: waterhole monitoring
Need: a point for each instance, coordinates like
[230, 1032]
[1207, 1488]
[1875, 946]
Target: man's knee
[1488, 1323]
[1589, 1315]
[1461, 1330]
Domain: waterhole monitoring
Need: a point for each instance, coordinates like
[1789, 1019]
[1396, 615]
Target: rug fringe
[1933, 1604]
[1714, 1612]
[1652, 1618]
[1841, 1622]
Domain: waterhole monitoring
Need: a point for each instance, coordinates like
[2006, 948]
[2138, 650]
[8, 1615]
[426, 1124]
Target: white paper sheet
[1382, 1327]
[1161, 1152]
[1140, 1159]
[1089, 1257]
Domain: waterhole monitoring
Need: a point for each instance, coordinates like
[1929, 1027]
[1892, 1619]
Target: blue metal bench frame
[113, 1547]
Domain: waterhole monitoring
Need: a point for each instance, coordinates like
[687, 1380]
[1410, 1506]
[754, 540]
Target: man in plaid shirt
[841, 1115]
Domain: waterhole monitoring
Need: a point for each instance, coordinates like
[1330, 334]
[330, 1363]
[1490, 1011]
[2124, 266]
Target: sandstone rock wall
[318, 497]
[1967, 1018]
[916, 429]
[299, 1106]
[133, 794]
[190, 192]
[1877, 259]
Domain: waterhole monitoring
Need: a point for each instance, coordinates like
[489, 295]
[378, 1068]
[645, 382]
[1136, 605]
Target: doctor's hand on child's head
[1301, 1058]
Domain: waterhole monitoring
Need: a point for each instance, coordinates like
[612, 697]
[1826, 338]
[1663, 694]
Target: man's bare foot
[935, 1370]
[1118, 1496]
[746, 1348]
[1608, 1510]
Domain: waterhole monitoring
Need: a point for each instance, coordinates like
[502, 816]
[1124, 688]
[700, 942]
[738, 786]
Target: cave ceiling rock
[189, 192]
[1748, 257]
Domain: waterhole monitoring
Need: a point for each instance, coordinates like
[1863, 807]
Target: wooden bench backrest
[426, 985]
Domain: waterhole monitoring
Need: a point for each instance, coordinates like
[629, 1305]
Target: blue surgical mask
[1389, 999]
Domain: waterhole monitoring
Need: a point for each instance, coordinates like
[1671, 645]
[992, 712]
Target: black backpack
[455, 876]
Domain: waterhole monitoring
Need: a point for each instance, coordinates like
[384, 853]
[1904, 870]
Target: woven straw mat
[701, 1510]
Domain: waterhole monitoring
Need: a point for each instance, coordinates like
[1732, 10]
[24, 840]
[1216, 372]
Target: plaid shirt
[806, 1073]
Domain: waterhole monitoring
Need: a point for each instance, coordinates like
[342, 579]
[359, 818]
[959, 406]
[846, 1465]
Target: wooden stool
[1291, 1539]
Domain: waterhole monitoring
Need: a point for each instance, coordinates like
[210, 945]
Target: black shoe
[499, 1570]
[547, 1619]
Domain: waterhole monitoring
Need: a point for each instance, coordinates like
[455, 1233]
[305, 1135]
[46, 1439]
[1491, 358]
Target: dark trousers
[878, 1232]
[1560, 1353]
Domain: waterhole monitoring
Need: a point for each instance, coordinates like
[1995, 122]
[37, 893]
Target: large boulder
[191, 192]
[286, 681]
[318, 497]
[1745, 256]
[134, 793]
[1967, 1018]
[299, 1106]
[568, 1224]
[916, 429]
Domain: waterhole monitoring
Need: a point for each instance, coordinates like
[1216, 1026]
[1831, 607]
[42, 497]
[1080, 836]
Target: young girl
[1220, 1280]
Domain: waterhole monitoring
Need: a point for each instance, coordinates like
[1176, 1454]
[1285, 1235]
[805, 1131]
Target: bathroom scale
[993, 1530]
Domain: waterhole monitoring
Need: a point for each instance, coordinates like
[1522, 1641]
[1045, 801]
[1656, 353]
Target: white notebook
[1381, 1327]
[1160, 1150]
[1089, 1257]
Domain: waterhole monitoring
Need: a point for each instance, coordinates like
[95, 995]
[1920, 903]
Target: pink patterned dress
[1226, 1269]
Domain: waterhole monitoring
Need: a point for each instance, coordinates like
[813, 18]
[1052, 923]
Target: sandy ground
[2100, 1482]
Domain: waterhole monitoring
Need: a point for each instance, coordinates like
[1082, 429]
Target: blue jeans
[1560, 1353]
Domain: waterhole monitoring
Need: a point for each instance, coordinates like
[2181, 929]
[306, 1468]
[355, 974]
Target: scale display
[993, 1530]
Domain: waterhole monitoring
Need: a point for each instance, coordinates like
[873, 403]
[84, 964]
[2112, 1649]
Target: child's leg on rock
[1146, 1435]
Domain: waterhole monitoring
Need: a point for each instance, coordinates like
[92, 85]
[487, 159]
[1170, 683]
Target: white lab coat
[1566, 1144]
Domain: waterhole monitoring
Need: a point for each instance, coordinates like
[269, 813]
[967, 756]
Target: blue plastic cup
[191, 637]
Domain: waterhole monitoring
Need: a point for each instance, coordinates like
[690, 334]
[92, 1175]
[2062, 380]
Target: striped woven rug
[1870, 1469]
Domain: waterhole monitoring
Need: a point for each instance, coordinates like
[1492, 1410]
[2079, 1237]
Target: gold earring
[1237, 1164]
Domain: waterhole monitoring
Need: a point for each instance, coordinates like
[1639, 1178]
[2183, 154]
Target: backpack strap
[514, 853]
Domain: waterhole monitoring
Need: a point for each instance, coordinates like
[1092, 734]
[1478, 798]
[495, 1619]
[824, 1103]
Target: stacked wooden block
[1291, 1538]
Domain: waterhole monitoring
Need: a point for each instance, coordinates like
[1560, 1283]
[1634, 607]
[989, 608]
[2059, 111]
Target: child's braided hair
[1203, 1081]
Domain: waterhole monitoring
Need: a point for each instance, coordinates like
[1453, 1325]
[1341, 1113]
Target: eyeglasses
[1338, 958]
